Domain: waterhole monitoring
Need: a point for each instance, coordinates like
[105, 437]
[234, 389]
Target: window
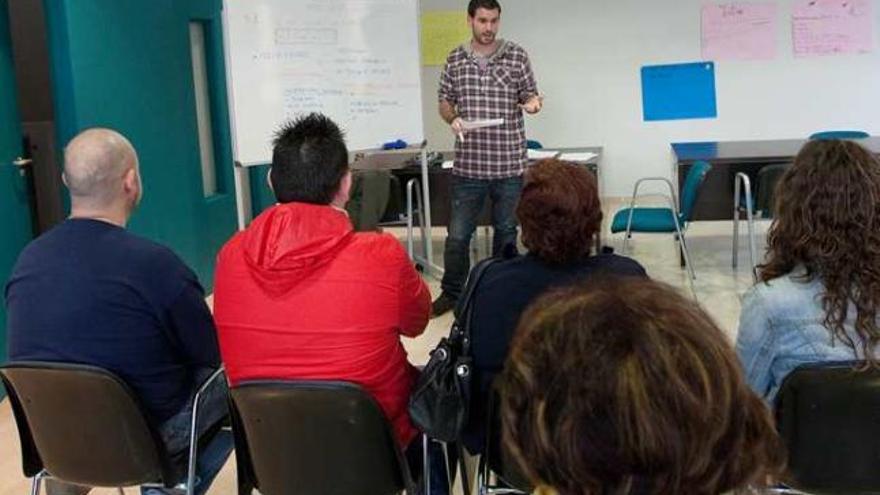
[203, 107]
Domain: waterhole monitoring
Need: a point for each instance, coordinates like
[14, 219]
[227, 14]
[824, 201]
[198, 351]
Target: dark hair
[828, 221]
[559, 211]
[309, 160]
[623, 386]
[483, 4]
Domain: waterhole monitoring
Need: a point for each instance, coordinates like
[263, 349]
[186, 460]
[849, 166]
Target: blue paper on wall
[679, 91]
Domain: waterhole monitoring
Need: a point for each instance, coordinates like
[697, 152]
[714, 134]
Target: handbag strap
[465, 309]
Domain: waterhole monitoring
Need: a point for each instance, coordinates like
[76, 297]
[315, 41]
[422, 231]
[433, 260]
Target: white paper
[447, 164]
[470, 125]
[541, 154]
[584, 156]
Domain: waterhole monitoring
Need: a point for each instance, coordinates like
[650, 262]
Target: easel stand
[376, 159]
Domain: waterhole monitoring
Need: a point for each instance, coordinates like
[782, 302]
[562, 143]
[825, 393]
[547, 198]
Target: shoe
[443, 304]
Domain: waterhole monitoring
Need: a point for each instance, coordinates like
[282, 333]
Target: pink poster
[739, 31]
[829, 27]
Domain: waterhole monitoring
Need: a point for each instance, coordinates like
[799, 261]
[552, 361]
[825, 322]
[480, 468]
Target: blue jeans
[468, 196]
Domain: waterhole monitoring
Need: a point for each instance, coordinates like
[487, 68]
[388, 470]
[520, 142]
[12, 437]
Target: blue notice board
[679, 91]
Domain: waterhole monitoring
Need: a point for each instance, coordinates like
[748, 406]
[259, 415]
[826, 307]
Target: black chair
[82, 424]
[496, 460]
[829, 418]
[314, 437]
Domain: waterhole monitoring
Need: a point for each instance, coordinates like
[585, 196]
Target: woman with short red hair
[560, 214]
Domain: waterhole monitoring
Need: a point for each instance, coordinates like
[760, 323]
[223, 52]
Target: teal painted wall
[126, 64]
[15, 223]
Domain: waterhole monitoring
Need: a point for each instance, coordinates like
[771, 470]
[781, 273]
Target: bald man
[90, 292]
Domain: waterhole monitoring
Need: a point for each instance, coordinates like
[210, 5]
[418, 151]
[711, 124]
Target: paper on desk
[447, 164]
[541, 154]
[580, 156]
[470, 125]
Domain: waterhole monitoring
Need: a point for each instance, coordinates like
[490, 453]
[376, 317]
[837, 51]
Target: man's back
[90, 292]
[299, 295]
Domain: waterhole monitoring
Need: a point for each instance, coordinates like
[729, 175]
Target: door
[15, 221]
[154, 71]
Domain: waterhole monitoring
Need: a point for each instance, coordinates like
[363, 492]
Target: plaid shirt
[492, 152]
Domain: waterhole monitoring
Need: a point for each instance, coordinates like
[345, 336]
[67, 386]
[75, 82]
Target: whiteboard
[356, 61]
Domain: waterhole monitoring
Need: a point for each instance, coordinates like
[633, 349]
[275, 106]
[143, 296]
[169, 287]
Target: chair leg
[736, 217]
[629, 219]
[750, 223]
[420, 206]
[628, 234]
[684, 249]
[426, 465]
[35, 483]
[120, 490]
[409, 218]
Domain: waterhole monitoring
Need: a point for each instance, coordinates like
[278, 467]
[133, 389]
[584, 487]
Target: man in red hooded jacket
[299, 295]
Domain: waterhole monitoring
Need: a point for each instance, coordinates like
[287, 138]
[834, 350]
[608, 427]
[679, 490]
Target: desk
[439, 182]
[730, 157]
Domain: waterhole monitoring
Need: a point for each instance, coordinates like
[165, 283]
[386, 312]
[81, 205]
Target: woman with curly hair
[819, 291]
[629, 388]
[560, 214]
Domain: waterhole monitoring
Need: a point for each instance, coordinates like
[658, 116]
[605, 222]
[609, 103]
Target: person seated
[626, 387]
[560, 214]
[299, 295]
[818, 293]
[90, 292]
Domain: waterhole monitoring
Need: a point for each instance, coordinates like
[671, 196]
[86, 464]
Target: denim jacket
[781, 328]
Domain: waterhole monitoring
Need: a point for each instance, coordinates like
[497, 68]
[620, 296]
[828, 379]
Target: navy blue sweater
[504, 292]
[90, 292]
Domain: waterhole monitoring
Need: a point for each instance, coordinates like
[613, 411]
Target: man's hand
[457, 126]
[533, 105]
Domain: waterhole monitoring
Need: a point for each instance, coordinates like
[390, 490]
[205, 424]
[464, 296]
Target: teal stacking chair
[664, 220]
[839, 135]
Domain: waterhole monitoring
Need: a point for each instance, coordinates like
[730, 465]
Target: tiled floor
[718, 288]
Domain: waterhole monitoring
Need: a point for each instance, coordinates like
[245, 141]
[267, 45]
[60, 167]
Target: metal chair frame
[673, 206]
[188, 485]
[742, 187]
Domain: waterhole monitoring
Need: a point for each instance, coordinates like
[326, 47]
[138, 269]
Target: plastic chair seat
[646, 220]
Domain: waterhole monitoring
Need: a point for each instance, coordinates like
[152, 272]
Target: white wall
[587, 55]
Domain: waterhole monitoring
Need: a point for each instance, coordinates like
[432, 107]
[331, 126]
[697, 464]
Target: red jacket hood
[288, 242]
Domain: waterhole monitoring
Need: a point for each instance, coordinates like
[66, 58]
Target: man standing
[487, 78]
[90, 292]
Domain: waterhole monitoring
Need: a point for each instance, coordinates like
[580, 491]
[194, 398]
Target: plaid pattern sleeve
[493, 152]
[447, 88]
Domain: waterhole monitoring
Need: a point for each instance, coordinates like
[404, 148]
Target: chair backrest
[82, 424]
[498, 459]
[839, 135]
[765, 188]
[534, 145]
[316, 437]
[691, 189]
[827, 414]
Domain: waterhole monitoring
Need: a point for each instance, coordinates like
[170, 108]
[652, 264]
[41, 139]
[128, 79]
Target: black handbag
[439, 403]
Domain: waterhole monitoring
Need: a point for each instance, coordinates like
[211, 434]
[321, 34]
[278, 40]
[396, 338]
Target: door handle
[21, 164]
